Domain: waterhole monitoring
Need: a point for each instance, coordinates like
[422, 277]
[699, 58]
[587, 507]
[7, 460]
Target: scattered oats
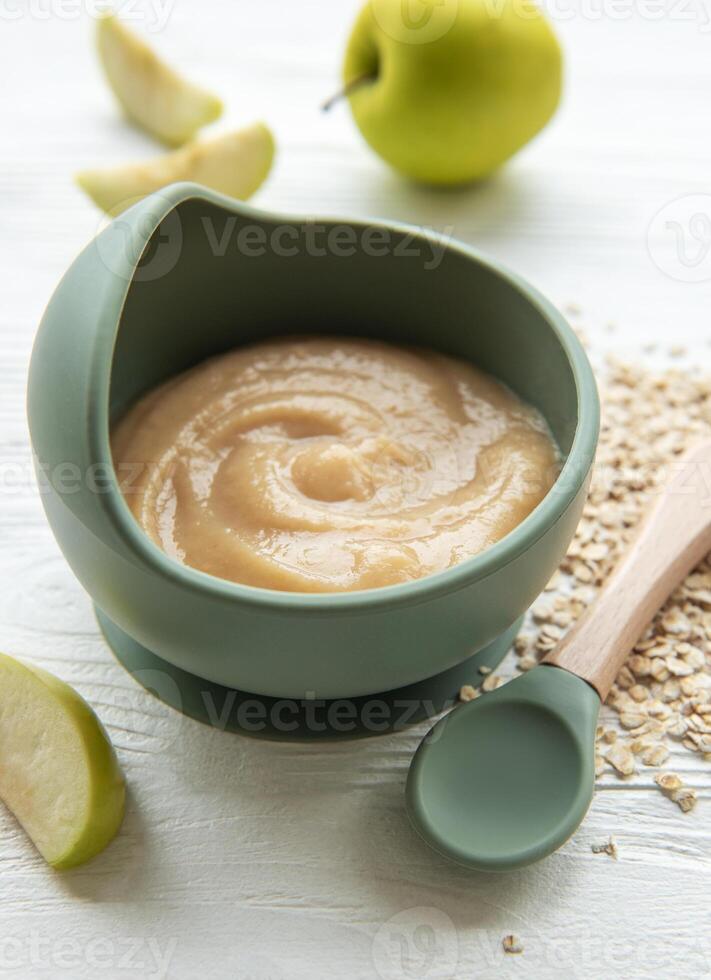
[484, 669]
[685, 798]
[691, 655]
[675, 622]
[616, 698]
[640, 665]
[663, 692]
[643, 645]
[609, 848]
[632, 719]
[700, 743]
[698, 581]
[621, 758]
[655, 755]
[595, 551]
[491, 682]
[699, 725]
[562, 618]
[544, 644]
[512, 944]
[678, 667]
[656, 709]
[688, 686]
[583, 572]
[652, 726]
[678, 727]
[659, 670]
[625, 678]
[522, 643]
[468, 693]
[671, 691]
[541, 612]
[668, 781]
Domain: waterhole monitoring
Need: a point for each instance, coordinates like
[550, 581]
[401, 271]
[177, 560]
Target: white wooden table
[251, 860]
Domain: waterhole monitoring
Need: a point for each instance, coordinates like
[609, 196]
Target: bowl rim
[545, 515]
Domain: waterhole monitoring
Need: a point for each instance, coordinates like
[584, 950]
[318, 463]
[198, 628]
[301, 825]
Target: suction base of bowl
[287, 719]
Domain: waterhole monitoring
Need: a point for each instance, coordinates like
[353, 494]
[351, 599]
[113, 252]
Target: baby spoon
[504, 780]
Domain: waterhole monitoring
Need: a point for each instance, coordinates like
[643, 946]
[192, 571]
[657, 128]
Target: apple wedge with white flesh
[58, 770]
[149, 91]
[235, 164]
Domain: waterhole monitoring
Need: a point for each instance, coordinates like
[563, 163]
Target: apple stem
[348, 89]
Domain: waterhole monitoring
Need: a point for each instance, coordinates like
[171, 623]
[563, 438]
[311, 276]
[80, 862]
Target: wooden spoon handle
[673, 537]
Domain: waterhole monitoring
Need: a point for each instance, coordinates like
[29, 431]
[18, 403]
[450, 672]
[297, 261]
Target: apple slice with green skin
[149, 91]
[58, 771]
[235, 164]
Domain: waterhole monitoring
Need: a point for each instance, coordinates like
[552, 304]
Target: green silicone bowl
[187, 273]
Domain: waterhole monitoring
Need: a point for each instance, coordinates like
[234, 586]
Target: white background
[244, 859]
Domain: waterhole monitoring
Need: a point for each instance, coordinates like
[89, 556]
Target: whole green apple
[447, 90]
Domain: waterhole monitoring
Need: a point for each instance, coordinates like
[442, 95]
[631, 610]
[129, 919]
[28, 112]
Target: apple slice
[235, 164]
[58, 771]
[150, 92]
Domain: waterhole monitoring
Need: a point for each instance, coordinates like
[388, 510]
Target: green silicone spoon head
[504, 780]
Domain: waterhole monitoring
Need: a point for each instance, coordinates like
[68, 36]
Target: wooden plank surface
[245, 859]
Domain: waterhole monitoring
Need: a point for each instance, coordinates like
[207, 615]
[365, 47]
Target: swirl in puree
[330, 465]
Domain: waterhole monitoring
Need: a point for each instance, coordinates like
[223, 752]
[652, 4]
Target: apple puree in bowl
[330, 465]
